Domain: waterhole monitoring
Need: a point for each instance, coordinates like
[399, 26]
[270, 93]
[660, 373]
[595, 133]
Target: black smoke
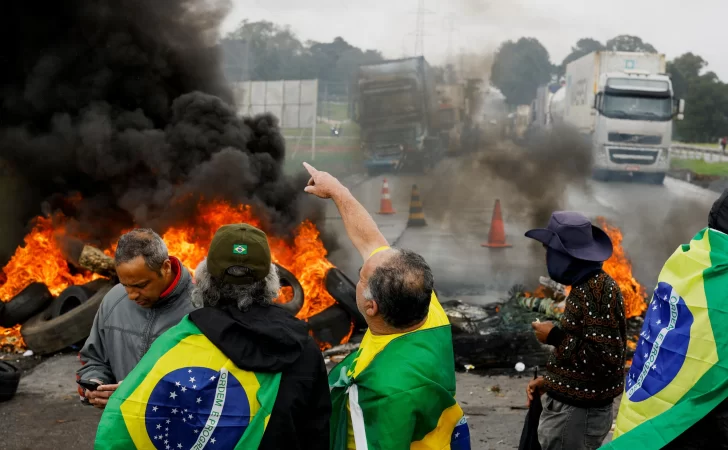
[124, 102]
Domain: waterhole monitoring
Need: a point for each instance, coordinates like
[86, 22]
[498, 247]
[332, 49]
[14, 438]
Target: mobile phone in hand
[88, 385]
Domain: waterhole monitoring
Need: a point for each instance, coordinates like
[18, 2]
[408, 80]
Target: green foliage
[520, 68]
[706, 97]
[627, 43]
[266, 51]
[583, 47]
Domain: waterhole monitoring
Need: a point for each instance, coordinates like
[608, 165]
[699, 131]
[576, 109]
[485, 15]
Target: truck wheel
[657, 178]
[46, 334]
[29, 302]
[288, 279]
[602, 175]
[9, 380]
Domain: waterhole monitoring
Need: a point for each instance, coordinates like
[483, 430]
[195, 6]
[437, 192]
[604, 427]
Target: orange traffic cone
[386, 205]
[497, 235]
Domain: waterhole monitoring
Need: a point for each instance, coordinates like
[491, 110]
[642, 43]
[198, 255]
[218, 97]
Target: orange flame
[619, 267]
[41, 259]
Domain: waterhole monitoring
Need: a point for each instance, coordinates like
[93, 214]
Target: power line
[420, 28]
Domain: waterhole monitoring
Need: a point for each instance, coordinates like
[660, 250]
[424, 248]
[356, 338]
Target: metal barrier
[694, 152]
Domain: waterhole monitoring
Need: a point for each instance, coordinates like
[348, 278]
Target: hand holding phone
[88, 385]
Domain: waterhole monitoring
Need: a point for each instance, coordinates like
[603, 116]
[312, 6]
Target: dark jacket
[586, 368]
[270, 340]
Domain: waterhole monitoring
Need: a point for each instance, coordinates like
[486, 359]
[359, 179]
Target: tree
[519, 68]
[583, 47]
[685, 70]
[627, 43]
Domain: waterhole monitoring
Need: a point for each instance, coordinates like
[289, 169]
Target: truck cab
[633, 130]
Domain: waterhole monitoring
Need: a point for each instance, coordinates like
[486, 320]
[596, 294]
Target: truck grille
[635, 138]
[626, 156]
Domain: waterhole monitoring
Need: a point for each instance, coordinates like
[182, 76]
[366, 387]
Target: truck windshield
[398, 136]
[637, 108]
[383, 104]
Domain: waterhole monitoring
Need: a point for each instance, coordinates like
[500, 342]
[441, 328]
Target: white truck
[624, 103]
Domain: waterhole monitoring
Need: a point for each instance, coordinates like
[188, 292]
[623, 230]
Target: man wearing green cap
[240, 372]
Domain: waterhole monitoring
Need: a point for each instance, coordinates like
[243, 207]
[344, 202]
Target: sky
[674, 27]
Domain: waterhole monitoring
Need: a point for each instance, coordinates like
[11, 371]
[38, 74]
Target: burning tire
[46, 333]
[9, 380]
[330, 326]
[344, 292]
[288, 279]
[29, 302]
[74, 297]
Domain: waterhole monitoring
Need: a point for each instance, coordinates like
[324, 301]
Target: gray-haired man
[153, 295]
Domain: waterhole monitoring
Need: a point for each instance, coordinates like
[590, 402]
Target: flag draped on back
[403, 399]
[186, 394]
[680, 368]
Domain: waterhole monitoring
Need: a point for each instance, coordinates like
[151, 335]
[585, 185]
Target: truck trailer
[396, 106]
[624, 104]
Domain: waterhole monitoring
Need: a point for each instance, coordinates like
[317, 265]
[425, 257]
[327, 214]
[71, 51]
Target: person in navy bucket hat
[584, 373]
[573, 234]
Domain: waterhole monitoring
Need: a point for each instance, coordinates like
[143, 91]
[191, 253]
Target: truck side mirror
[598, 102]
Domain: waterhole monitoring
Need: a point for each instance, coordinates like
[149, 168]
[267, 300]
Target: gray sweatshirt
[123, 331]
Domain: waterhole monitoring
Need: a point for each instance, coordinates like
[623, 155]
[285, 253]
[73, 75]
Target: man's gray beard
[209, 292]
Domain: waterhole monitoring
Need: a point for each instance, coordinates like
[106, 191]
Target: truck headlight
[664, 154]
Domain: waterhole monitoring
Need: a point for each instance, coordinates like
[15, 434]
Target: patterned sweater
[586, 368]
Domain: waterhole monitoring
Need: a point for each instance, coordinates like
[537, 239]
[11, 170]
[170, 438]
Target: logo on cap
[240, 249]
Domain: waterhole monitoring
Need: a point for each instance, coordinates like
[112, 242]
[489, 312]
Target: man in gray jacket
[153, 295]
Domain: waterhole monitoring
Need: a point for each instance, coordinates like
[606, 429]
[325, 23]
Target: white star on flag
[192, 379]
[184, 389]
[189, 371]
[173, 395]
[199, 400]
[185, 410]
[189, 416]
[194, 386]
[184, 420]
[654, 308]
[159, 426]
[212, 440]
[166, 442]
[197, 431]
[178, 384]
[167, 429]
[659, 322]
[179, 445]
[212, 378]
[174, 411]
[646, 355]
[168, 447]
[654, 367]
[155, 409]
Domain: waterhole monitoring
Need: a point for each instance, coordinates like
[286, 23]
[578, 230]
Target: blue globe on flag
[196, 406]
[663, 344]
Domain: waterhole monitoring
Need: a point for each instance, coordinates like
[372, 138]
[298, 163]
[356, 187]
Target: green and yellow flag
[185, 393]
[680, 368]
[398, 392]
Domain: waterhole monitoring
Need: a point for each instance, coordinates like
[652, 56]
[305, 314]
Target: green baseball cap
[239, 245]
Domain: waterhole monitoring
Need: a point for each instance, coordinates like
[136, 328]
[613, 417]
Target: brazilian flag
[680, 369]
[400, 398]
[186, 394]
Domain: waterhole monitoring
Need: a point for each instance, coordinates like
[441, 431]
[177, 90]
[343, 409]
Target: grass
[701, 167]
[334, 110]
[714, 145]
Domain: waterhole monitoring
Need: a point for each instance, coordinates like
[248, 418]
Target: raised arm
[359, 225]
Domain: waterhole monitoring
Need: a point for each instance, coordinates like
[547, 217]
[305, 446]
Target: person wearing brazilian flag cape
[397, 391]
[239, 373]
[677, 388]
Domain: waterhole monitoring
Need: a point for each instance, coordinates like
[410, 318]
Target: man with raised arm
[398, 390]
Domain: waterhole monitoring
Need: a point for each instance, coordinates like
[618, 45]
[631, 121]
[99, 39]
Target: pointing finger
[312, 170]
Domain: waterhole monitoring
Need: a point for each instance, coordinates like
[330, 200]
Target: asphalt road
[459, 201]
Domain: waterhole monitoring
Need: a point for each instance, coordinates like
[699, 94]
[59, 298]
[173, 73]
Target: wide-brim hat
[574, 234]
